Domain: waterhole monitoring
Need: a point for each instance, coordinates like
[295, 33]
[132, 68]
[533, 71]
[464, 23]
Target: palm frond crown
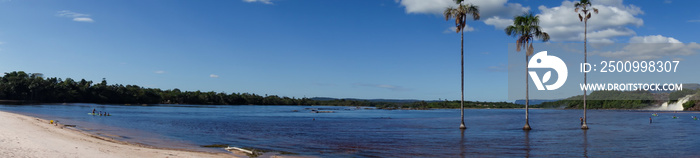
[526, 28]
[585, 7]
[460, 14]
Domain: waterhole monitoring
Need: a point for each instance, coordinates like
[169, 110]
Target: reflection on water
[527, 143]
[585, 143]
[462, 140]
[353, 132]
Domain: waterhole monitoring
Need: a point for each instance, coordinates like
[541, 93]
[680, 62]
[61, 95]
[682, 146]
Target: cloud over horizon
[653, 47]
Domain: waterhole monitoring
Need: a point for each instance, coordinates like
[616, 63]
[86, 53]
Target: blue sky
[305, 48]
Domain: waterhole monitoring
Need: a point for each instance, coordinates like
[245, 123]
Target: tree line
[610, 100]
[21, 86]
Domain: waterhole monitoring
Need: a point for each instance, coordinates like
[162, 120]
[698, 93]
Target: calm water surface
[352, 132]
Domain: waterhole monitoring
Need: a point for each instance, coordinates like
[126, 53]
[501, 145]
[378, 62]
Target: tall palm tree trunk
[527, 97]
[585, 76]
[462, 126]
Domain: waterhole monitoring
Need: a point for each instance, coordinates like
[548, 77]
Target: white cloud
[488, 9]
[261, 1]
[159, 72]
[498, 8]
[83, 19]
[453, 29]
[68, 13]
[426, 6]
[498, 22]
[653, 39]
[603, 36]
[563, 24]
[668, 1]
[604, 41]
[214, 76]
[79, 17]
[653, 47]
[693, 20]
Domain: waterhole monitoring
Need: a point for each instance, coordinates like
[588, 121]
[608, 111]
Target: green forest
[621, 100]
[22, 87]
[19, 85]
[32, 88]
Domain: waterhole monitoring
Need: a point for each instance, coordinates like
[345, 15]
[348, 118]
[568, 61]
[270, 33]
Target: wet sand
[24, 136]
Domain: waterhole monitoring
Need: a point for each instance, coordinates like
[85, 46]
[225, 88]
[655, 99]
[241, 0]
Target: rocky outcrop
[693, 103]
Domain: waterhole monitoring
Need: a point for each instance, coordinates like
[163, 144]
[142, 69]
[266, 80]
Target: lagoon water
[353, 132]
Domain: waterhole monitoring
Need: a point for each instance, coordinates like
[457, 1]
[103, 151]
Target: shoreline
[26, 136]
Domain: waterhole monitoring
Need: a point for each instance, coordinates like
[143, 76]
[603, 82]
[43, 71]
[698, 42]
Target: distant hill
[693, 86]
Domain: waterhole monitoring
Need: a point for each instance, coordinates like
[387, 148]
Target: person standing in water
[93, 111]
[649, 120]
[581, 118]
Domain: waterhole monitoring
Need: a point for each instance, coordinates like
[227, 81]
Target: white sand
[24, 136]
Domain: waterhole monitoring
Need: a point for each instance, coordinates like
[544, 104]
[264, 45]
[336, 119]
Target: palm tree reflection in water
[585, 143]
[527, 143]
[462, 148]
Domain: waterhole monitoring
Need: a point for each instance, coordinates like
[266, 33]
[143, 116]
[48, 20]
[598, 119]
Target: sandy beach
[24, 136]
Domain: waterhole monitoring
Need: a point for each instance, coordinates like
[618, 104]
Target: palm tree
[460, 15]
[585, 7]
[526, 28]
